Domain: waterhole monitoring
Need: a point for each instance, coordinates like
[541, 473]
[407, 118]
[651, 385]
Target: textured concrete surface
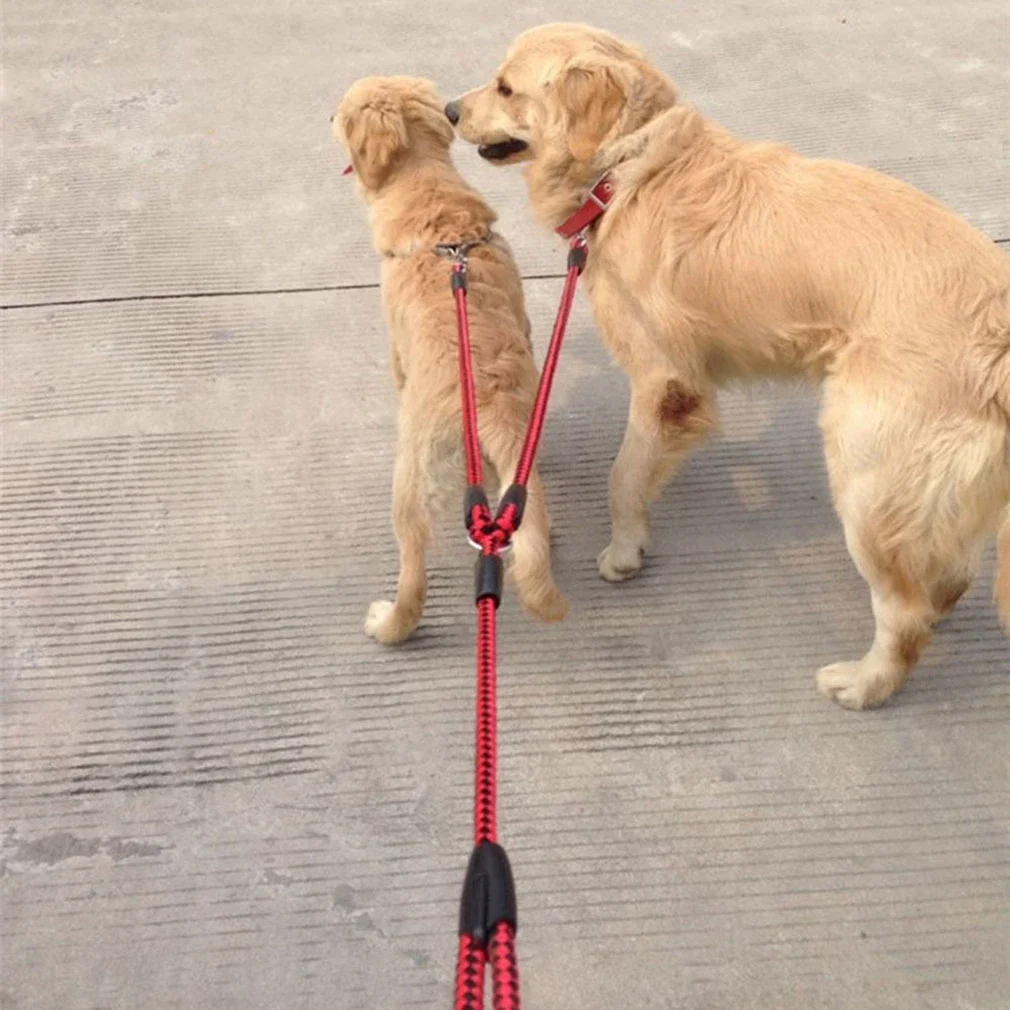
[216, 792]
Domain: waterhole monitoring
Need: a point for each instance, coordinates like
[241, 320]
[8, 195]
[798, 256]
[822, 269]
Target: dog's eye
[504, 90]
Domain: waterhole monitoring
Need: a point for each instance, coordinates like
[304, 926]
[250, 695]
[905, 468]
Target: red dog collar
[595, 204]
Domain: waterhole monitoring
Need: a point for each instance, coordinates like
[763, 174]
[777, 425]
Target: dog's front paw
[857, 684]
[618, 566]
[381, 624]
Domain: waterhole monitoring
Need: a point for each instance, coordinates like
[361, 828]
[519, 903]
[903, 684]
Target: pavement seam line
[366, 286]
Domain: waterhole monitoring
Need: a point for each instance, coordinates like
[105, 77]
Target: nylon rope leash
[487, 913]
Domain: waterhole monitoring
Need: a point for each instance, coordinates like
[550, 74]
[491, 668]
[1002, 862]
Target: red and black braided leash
[487, 915]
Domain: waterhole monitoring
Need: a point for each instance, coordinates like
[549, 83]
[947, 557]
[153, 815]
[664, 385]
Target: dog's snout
[452, 112]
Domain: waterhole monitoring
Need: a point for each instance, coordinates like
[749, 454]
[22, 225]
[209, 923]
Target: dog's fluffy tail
[1001, 592]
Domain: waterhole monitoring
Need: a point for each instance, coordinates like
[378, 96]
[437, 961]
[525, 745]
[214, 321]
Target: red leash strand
[469, 975]
[487, 916]
[539, 412]
[471, 445]
[485, 788]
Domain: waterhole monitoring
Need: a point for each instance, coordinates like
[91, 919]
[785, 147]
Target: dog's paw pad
[615, 567]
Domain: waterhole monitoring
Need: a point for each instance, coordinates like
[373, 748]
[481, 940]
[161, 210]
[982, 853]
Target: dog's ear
[429, 111]
[430, 118]
[591, 92]
[375, 134]
[441, 128]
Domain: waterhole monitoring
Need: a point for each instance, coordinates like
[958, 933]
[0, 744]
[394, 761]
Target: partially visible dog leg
[666, 420]
[392, 622]
[530, 566]
[1001, 590]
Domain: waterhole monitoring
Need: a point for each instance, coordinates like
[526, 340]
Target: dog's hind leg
[530, 567]
[666, 420]
[394, 621]
[531, 563]
[915, 495]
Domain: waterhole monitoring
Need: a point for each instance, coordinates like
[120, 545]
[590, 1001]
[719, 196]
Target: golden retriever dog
[399, 142]
[720, 259]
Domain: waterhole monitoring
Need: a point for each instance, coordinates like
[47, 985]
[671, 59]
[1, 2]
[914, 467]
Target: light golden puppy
[721, 259]
[399, 141]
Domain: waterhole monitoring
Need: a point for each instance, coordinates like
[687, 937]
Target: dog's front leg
[666, 420]
[393, 621]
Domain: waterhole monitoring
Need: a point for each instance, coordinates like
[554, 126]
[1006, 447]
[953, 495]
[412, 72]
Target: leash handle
[470, 964]
[504, 968]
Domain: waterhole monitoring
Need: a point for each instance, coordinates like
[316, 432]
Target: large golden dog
[721, 259]
[399, 142]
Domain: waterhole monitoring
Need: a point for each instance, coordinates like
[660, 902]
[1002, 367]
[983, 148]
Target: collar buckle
[606, 191]
[598, 199]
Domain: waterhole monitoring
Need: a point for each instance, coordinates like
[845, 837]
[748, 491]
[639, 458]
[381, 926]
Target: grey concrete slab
[216, 792]
[186, 147]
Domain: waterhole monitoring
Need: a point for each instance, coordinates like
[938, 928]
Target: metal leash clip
[457, 251]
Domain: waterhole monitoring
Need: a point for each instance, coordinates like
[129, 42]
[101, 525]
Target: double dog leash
[487, 913]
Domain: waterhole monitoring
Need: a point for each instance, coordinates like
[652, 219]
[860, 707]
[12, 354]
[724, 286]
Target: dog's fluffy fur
[399, 142]
[721, 259]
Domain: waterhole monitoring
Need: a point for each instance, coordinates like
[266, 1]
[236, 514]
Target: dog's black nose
[452, 112]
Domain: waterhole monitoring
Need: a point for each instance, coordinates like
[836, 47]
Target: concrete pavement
[217, 793]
